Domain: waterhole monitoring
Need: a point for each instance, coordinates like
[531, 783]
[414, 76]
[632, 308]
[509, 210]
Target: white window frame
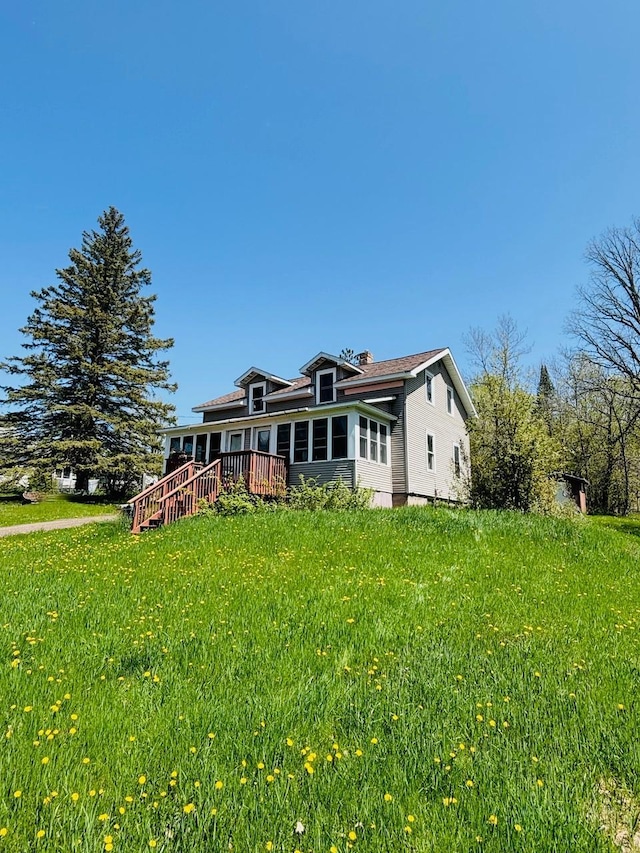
[259, 429]
[450, 401]
[230, 434]
[253, 385]
[378, 443]
[330, 371]
[430, 454]
[457, 468]
[428, 385]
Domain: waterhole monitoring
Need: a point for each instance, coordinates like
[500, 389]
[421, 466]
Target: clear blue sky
[304, 176]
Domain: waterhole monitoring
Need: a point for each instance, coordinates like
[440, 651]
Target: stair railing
[184, 500]
[147, 503]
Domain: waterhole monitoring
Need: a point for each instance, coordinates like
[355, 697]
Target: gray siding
[423, 417]
[369, 475]
[225, 414]
[398, 450]
[326, 472]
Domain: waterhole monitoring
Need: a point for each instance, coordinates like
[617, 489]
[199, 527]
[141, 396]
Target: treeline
[578, 415]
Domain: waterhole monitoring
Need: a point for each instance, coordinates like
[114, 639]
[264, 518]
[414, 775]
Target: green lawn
[408, 680]
[15, 512]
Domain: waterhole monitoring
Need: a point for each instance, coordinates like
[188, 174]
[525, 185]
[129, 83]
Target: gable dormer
[257, 384]
[325, 370]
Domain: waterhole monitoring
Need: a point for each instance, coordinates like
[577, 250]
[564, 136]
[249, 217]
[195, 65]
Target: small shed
[572, 488]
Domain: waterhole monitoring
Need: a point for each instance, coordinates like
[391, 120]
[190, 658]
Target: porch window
[301, 442]
[263, 439]
[326, 391]
[201, 448]
[320, 439]
[235, 442]
[283, 440]
[373, 441]
[383, 444]
[174, 444]
[339, 437]
[364, 425]
[187, 445]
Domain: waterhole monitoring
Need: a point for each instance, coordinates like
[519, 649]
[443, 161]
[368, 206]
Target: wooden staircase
[178, 495]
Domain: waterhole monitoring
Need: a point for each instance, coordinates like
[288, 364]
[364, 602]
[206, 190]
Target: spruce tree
[87, 394]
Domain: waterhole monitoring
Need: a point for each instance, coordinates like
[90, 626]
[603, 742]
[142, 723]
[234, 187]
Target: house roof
[392, 367]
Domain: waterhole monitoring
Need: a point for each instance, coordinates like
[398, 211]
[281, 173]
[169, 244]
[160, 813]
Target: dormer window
[325, 391]
[256, 395]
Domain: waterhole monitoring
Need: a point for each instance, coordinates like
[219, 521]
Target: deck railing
[262, 473]
[147, 503]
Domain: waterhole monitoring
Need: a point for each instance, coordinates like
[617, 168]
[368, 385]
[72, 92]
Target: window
[187, 445]
[257, 392]
[339, 437]
[301, 441]
[428, 387]
[373, 441]
[235, 441]
[201, 448]
[263, 440]
[431, 452]
[214, 446]
[456, 459]
[320, 439]
[383, 444]
[325, 390]
[449, 400]
[283, 440]
[174, 444]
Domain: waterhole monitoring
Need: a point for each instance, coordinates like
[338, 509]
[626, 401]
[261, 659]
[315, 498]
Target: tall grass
[419, 680]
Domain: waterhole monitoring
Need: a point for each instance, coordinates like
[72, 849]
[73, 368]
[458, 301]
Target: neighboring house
[394, 426]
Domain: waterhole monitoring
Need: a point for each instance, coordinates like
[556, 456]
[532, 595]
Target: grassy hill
[408, 680]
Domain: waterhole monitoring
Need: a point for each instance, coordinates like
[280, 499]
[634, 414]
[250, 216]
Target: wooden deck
[178, 494]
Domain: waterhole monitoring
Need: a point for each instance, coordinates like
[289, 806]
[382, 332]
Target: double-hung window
[256, 395]
[325, 391]
[263, 440]
[431, 452]
[449, 400]
[301, 441]
[283, 440]
[339, 437]
[428, 387]
[320, 439]
[456, 460]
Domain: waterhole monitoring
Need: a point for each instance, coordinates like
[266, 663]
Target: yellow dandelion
[469, 783]
[352, 836]
[153, 842]
[3, 831]
[75, 796]
[309, 768]
[103, 817]
[388, 798]
[40, 833]
[270, 778]
[243, 780]
[410, 818]
[188, 808]
[268, 845]
[374, 740]
[219, 785]
[517, 827]
[45, 760]
[17, 794]
[493, 820]
[142, 780]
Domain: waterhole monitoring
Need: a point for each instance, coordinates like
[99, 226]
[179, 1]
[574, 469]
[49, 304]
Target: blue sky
[309, 176]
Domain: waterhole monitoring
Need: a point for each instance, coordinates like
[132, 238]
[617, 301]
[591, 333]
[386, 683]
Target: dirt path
[60, 524]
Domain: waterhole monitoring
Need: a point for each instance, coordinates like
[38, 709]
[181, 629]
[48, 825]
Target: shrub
[310, 495]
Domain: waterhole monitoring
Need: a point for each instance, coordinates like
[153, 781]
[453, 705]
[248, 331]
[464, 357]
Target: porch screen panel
[214, 446]
[187, 445]
[320, 439]
[339, 437]
[174, 445]
[283, 440]
[301, 442]
[201, 448]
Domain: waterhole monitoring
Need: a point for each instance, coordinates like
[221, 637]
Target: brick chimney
[365, 357]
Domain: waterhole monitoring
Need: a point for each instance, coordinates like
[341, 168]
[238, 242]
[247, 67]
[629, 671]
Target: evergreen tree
[91, 370]
[545, 399]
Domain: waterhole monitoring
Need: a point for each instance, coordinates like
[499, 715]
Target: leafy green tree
[512, 452]
[89, 378]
